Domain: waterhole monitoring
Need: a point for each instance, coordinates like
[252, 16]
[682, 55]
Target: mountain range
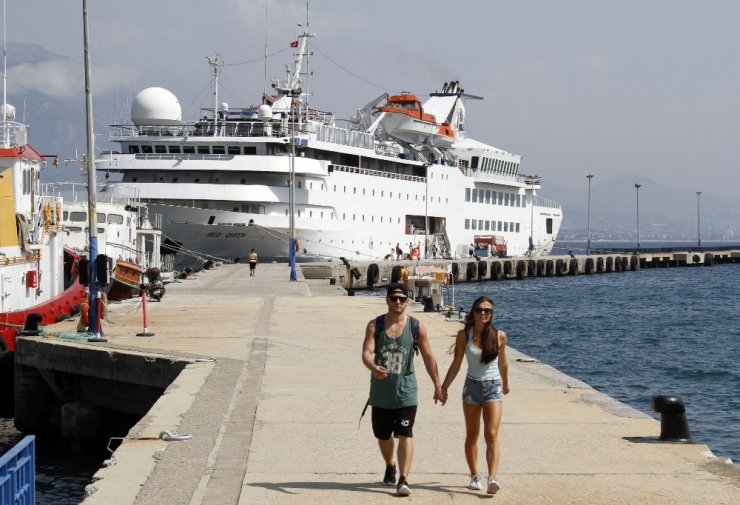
[58, 127]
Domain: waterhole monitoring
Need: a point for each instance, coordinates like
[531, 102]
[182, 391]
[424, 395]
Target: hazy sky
[611, 88]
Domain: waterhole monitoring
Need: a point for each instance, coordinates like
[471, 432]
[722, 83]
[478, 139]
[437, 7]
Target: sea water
[634, 335]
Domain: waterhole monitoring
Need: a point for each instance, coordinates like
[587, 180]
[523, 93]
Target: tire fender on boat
[482, 269]
[589, 266]
[573, 267]
[496, 270]
[396, 274]
[471, 270]
[455, 270]
[708, 259]
[634, 262]
[520, 269]
[599, 264]
[373, 275]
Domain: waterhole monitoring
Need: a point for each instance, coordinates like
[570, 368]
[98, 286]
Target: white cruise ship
[402, 172]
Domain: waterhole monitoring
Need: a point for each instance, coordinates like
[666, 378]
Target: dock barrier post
[673, 424]
[146, 332]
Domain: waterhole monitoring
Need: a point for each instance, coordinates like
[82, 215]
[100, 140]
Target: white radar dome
[156, 107]
[264, 112]
[7, 111]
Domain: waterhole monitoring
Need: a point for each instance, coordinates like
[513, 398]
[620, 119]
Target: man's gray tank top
[398, 389]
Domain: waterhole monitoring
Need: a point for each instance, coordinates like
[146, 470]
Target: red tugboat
[37, 275]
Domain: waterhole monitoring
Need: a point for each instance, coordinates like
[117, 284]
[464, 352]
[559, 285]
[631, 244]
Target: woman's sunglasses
[482, 310]
[401, 299]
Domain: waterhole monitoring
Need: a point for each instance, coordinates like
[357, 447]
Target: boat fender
[532, 268]
[609, 264]
[396, 274]
[470, 274]
[508, 268]
[482, 269]
[599, 264]
[550, 268]
[541, 268]
[589, 266]
[708, 259]
[519, 269]
[573, 267]
[625, 263]
[59, 211]
[496, 270]
[455, 270]
[373, 275]
[560, 267]
[47, 213]
[634, 262]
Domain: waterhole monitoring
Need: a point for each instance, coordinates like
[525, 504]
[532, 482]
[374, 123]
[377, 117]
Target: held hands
[440, 394]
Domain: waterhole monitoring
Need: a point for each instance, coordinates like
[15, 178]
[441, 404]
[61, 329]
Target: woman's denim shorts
[480, 391]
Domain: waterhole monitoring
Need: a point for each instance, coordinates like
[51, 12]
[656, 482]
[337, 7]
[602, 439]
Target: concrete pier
[272, 387]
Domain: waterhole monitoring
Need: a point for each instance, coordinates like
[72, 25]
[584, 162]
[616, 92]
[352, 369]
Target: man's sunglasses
[401, 299]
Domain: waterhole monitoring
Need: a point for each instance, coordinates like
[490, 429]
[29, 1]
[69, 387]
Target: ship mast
[214, 62]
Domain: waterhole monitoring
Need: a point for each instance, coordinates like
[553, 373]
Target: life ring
[396, 274]
[482, 270]
[588, 268]
[373, 275]
[471, 270]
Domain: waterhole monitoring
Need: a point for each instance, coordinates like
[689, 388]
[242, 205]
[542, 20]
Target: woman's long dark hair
[489, 335]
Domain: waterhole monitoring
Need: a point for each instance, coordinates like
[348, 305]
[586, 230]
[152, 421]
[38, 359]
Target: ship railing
[13, 133]
[377, 173]
[540, 201]
[18, 473]
[344, 137]
[497, 176]
[200, 129]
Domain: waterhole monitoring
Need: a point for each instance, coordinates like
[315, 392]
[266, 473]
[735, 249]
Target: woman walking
[486, 383]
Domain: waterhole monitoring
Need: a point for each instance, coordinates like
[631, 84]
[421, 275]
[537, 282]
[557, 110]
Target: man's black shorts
[398, 422]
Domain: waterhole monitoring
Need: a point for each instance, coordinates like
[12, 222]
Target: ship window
[506, 226]
[344, 216]
[133, 149]
[467, 194]
[65, 215]
[101, 217]
[335, 188]
[518, 200]
[204, 150]
[160, 149]
[322, 214]
[517, 227]
[390, 195]
[548, 225]
[353, 217]
[115, 219]
[174, 179]
[78, 216]
[211, 219]
[475, 224]
[233, 150]
[363, 191]
[134, 179]
[500, 226]
[197, 179]
[373, 192]
[467, 224]
[174, 149]
[146, 149]
[299, 213]
[480, 224]
[474, 162]
[101, 230]
[354, 191]
[382, 193]
[188, 149]
[73, 228]
[500, 197]
[250, 150]
[488, 225]
[310, 213]
[345, 189]
[219, 150]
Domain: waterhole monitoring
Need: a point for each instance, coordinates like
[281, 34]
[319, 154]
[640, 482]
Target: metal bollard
[673, 424]
[146, 332]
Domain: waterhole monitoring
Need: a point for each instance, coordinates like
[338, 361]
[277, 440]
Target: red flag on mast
[294, 43]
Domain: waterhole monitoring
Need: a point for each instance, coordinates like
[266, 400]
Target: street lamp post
[698, 218]
[291, 186]
[588, 214]
[637, 190]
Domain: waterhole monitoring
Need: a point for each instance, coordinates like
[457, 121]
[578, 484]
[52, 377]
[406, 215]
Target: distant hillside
[664, 213]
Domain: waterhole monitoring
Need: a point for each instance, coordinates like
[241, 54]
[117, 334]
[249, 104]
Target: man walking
[252, 262]
[388, 351]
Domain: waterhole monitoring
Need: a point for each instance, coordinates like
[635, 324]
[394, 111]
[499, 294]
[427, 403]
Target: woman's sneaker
[390, 475]
[475, 483]
[493, 486]
[403, 488]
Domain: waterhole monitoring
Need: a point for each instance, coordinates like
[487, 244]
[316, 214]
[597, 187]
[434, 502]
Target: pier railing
[18, 473]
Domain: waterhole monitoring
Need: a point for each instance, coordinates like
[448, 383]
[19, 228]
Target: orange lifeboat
[404, 118]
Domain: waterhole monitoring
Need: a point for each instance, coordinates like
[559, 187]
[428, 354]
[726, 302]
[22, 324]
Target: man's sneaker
[493, 486]
[403, 487]
[390, 475]
[475, 483]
